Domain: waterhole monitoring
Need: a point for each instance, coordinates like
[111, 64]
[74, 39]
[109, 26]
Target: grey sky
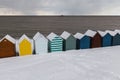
[59, 7]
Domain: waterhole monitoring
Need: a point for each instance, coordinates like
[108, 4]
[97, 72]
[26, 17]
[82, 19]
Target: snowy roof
[8, 37]
[65, 35]
[118, 31]
[90, 33]
[112, 33]
[24, 37]
[52, 36]
[79, 35]
[102, 33]
[38, 35]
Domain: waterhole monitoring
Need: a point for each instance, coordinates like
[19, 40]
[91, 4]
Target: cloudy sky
[59, 7]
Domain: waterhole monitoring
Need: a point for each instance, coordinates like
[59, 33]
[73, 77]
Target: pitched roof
[102, 33]
[65, 35]
[38, 35]
[118, 31]
[24, 37]
[8, 37]
[79, 35]
[90, 33]
[52, 36]
[112, 33]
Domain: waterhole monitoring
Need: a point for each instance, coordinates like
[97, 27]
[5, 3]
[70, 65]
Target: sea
[16, 26]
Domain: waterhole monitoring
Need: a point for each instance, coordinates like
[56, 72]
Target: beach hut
[7, 47]
[115, 37]
[106, 38]
[96, 39]
[25, 46]
[40, 43]
[69, 41]
[55, 42]
[83, 41]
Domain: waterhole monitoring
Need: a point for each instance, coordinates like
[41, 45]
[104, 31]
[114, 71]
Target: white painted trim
[52, 35]
[90, 33]
[65, 35]
[79, 35]
[8, 37]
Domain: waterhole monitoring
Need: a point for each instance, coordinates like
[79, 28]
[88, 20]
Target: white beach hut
[40, 43]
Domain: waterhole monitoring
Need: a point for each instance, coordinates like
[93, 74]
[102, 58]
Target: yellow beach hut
[25, 46]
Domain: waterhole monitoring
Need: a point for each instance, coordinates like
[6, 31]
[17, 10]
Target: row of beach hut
[66, 41]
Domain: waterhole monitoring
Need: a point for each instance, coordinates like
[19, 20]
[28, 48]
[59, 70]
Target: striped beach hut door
[55, 42]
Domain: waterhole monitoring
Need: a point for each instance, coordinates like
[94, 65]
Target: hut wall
[41, 46]
[7, 49]
[116, 40]
[85, 42]
[107, 40]
[56, 44]
[70, 43]
[96, 41]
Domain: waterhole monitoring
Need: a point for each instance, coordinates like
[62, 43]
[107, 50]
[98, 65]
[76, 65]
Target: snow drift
[89, 64]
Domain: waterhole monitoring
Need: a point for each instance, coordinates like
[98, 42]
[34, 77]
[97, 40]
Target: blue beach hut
[55, 42]
[106, 38]
[83, 41]
[40, 43]
[115, 37]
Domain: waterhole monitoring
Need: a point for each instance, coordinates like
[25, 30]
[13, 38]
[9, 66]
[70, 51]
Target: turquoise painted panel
[56, 44]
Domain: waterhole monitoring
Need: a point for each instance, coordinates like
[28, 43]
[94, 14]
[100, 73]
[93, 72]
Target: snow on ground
[89, 64]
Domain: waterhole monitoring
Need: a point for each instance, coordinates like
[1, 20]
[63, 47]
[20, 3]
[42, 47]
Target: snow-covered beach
[88, 64]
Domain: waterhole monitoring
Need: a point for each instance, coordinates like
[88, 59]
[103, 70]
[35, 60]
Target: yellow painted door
[25, 48]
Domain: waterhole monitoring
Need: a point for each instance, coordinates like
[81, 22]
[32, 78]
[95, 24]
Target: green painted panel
[70, 43]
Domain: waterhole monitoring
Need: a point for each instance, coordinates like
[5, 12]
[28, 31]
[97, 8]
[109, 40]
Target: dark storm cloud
[59, 6]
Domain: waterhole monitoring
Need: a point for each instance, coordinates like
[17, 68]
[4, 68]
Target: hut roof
[118, 31]
[38, 35]
[24, 37]
[52, 36]
[102, 33]
[8, 37]
[79, 35]
[112, 33]
[90, 33]
[65, 35]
